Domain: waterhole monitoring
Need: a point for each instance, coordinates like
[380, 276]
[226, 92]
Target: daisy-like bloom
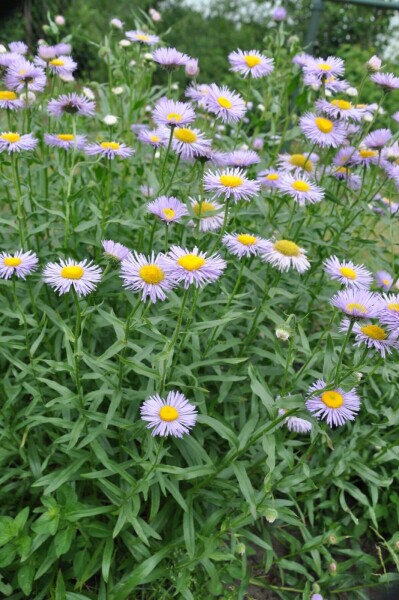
[67, 141]
[14, 142]
[251, 63]
[365, 157]
[300, 188]
[197, 92]
[347, 273]
[285, 254]
[344, 157]
[377, 139]
[142, 37]
[384, 280]
[10, 100]
[228, 106]
[323, 132]
[243, 244]
[334, 406]
[290, 162]
[269, 178]
[302, 59]
[174, 416]
[352, 180]
[115, 251]
[340, 109]
[18, 47]
[170, 58]
[8, 58]
[187, 142]
[109, 150]
[83, 276]
[322, 68]
[153, 137]
[62, 48]
[387, 81]
[390, 311]
[73, 104]
[152, 275]
[210, 215]
[231, 183]
[358, 303]
[295, 423]
[374, 336]
[332, 84]
[242, 158]
[169, 112]
[62, 65]
[168, 209]
[22, 73]
[21, 264]
[194, 267]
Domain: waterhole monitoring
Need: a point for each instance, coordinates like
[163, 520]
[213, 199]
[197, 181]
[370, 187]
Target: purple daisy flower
[347, 273]
[340, 109]
[285, 254]
[251, 63]
[170, 58]
[377, 138]
[152, 276]
[197, 92]
[142, 37]
[344, 157]
[331, 83]
[352, 180]
[334, 406]
[73, 104]
[194, 267]
[67, 141]
[269, 178]
[18, 47]
[302, 59]
[358, 303]
[228, 106]
[169, 112]
[174, 416]
[373, 336]
[291, 162]
[388, 81]
[45, 53]
[63, 48]
[300, 188]
[243, 244]
[295, 423]
[62, 65]
[10, 101]
[242, 158]
[83, 276]
[365, 157]
[390, 311]
[191, 67]
[8, 58]
[168, 209]
[153, 137]
[22, 73]
[323, 132]
[14, 142]
[20, 263]
[280, 14]
[189, 143]
[384, 280]
[210, 215]
[109, 150]
[324, 68]
[115, 251]
[231, 183]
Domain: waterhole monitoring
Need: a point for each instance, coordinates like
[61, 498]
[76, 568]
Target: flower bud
[117, 90]
[351, 91]
[279, 14]
[125, 43]
[117, 23]
[28, 99]
[110, 120]
[368, 117]
[271, 515]
[282, 334]
[333, 539]
[374, 64]
[358, 376]
[88, 93]
[59, 20]
[3, 49]
[332, 567]
[155, 15]
[258, 143]
[132, 63]
[261, 107]
[191, 67]
[148, 56]
[241, 548]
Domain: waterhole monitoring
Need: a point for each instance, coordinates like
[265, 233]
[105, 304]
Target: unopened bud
[333, 539]
[241, 548]
[117, 90]
[59, 20]
[332, 567]
[351, 91]
[125, 43]
[271, 515]
[88, 93]
[28, 99]
[374, 64]
[148, 56]
[110, 120]
[358, 376]
[282, 334]
[155, 15]
[116, 23]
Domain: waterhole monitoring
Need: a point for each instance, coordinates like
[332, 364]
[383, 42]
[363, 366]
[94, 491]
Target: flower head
[83, 276]
[358, 303]
[269, 178]
[10, 100]
[377, 138]
[301, 188]
[62, 65]
[387, 81]
[143, 38]
[322, 68]
[194, 266]
[18, 47]
[292, 162]
[384, 280]
[372, 335]
[340, 109]
[334, 406]
[347, 273]
[21, 74]
[67, 141]
[187, 142]
[321, 131]
[390, 311]
[228, 106]
[73, 104]
[295, 423]
[250, 63]
[174, 416]
[170, 58]
[243, 244]
[242, 158]
[285, 254]
[14, 142]
[279, 14]
[191, 67]
[109, 150]
[154, 137]
[231, 183]
[169, 112]
[168, 209]
[115, 251]
[152, 276]
[19, 264]
[210, 215]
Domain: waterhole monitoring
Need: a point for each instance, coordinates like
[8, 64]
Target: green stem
[69, 188]
[76, 349]
[20, 209]
[341, 356]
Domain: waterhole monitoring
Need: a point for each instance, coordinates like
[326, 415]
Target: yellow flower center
[272, 176]
[367, 153]
[374, 332]
[247, 240]
[66, 137]
[324, 125]
[6, 95]
[72, 272]
[169, 213]
[174, 117]
[300, 186]
[110, 145]
[155, 139]
[168, 413]
[57, 62]
[324, 67]
[151, 274]
[341, 104]
[224, 102]
[252, 60]
[232, 181]
[300, 160]
[10, 137]
[332, 399]
[185, 135]
[348, 273]
[386, 282]
[12, 261]
[287, 248]
[354, 306]
[203, 208]
[191, 262]
[344, 170]
[394, 306]
[386, 200]
[142, 37]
